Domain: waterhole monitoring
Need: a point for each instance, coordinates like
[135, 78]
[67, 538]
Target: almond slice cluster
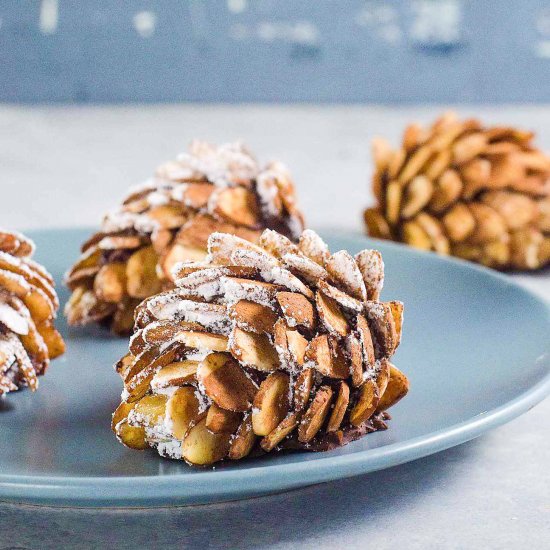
[262, 347]
[168, 220]
[28, 307]
[480, 193]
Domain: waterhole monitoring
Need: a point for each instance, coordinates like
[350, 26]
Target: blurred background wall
[381, 51]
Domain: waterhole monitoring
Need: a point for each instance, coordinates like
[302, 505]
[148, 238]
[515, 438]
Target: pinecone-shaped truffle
[28, 307]
[259, 348]
[479, 193]
[168, 220]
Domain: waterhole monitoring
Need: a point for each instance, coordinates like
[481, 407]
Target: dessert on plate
[459, 187]
[168, 220]
[28, 307]
[261, 348]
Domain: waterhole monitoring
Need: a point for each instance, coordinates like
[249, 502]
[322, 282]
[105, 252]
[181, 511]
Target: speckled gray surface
[491, 493]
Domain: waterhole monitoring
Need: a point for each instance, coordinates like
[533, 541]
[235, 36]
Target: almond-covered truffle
[478, 192]
[168, 220]
[262, 347]
[28, 307]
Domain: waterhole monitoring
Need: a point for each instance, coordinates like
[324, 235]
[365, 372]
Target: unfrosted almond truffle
[480, 193]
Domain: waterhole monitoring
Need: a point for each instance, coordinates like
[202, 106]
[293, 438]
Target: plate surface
[476, 348]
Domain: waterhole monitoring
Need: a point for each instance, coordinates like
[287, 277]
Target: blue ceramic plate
[475, 347]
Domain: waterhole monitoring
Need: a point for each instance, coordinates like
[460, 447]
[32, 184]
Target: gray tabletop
[493, 492]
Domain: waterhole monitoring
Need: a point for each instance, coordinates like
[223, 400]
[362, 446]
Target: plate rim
[101, 491]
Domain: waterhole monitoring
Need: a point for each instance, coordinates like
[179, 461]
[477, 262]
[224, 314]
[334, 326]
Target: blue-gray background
[385, 51]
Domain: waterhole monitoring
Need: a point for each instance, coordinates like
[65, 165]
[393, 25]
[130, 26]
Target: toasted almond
[255, 291]
[327, 357]
[52, 338]
[219, 420]
[149, 410]
[468, 147]
[315, 416]
[312, 246]
[371, 266]
[397, 388]
[302, 389]
[394, 196]
[297, 309]
[201, 447]
[343, 299]
[290, 344]
[120, 242]
[203, 341]
[276, 244]
[283, 430]
[177, 254]
[196, 195]
[253, 317]
[142, 280]
[435, 231]
[340, 408]
[236, 204]
[226, 383]
[366, 404]
[331, 315]
[489, 223]
[123, 318]
[396, 309]
[243, 441]
[516, 209]
[417, 196]
[355, 351]
[381, 153]
[365, 337]
[377, 225]
[175, 374]
[414, 235]
[131, 436]
[382, 324]
[459, 222]
[271, 403]
[447, 190]
[383, 376]
[110, 282]
[253, 350]
[304, 267]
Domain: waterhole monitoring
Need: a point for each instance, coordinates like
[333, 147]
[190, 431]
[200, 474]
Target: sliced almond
[255, 291]
[304, 267]
[414, 235]
[435, 231]
[283, 430]
[276, 244]
[219, 420]
[226, 383]
[447, 190]
[397, 388]
[382, 324]
[271, 403]
[315, 415]
[459, 222]
[327, 357]
[142, 280]
[377, 225]
[355, 351]
[489, 224]
[340, 408]
[366, 403]
[371, 266]
[383, 376]
[290, 344]
[131, 436]
[469, 147]
[254, 350]
[397, 314]
[417, 196]
[175, 374]
[331, 315]
[302, 389]
[297, 310]
[343, 299]
[313, 247]
[236, 204]
[203, 341]
[149, 410]
[365, 338]
[253, 317]
[201, 447]
[243, 441]
[394, 197]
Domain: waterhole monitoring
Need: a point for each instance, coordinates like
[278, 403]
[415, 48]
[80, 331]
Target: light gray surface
[491, 493]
